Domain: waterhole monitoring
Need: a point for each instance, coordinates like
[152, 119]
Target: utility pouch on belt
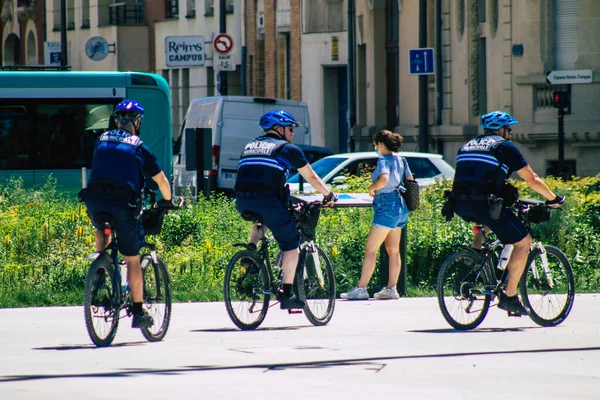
[448, 207]
[509, 194]
[493, 204]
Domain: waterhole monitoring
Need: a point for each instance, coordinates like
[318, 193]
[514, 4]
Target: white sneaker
[356, 293]
[387, 293]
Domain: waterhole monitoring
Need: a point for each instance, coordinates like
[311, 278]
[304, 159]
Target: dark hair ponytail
[391, 140]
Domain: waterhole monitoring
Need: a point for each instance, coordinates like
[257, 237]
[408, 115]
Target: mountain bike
[251, 280]
[469, 281]
[107, 296]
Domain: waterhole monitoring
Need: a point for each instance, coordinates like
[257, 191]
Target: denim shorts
[129, 232]
[508, 228]
[389, 211]
[275, 216]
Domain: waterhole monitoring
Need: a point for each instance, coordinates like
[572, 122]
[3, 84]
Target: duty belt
[117, 191]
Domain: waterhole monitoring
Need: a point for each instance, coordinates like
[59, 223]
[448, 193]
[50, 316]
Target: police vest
[117, 160]
[260, 167]
[477, 168]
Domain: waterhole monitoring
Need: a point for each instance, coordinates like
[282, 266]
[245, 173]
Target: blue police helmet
[496, 120]
[129, 110]
[278, 117]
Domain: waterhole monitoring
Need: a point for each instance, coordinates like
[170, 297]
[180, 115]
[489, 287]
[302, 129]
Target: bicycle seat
[105, 218]
[252, 217]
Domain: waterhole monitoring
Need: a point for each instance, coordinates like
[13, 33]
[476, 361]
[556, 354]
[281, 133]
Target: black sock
[287, 289]
[252, 245]
[137, 308]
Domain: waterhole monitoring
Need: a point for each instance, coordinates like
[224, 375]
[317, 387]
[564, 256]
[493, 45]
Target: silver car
[335, 169]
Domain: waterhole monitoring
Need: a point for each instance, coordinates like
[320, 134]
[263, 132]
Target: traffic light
[562, 101]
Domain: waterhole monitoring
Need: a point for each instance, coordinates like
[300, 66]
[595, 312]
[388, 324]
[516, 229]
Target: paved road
[371, 349]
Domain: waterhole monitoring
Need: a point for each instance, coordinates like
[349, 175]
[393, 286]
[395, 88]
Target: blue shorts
[129, 233]
[389, 211]
[508, 228]
[275, 216]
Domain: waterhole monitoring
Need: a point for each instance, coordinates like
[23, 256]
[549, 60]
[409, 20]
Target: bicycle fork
[544, 256]
[314, 254]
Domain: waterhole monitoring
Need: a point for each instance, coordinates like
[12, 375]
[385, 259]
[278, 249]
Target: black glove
[557, 200]
[330, 197]
[168, 204]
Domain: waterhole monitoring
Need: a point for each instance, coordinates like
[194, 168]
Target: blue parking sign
[420, 61]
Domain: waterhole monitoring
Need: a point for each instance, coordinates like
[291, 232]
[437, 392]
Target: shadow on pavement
[88, 346]
[374, 362]
[274, 328]
[477, 330]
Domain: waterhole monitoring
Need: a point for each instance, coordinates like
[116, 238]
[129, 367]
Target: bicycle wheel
[316, 286]
[101, 316]
[157, 298]
[549, 294]
[246, 290]
[459, 291]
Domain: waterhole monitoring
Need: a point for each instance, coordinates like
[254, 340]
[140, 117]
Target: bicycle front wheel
[246, 290]
[461, 291]
[157, 298]
[316, 286]
[548, 292]
[101, 314]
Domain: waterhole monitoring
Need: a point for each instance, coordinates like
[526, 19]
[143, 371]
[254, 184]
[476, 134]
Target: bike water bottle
[505, 256]
[278, 261]
[124, 282]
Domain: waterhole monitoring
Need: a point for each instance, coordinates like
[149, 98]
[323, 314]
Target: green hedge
[46, 235]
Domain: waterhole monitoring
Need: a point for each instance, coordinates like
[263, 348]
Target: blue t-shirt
[393, 165]
[508, 154]
[290, 155]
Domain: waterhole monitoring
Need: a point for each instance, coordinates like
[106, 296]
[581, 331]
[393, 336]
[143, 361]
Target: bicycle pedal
[294, 311]
[512, 314]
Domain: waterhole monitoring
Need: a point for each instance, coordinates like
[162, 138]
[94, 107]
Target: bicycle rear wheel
[316, 286]
[246, 290]
[549, 294]
[157, 298]
[101, 315]
[460, 291]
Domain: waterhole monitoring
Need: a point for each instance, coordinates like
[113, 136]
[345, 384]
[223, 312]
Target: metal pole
[351, 75]
[439, 88]
[561, 143]
[222, 29]
[63, 33]
[423, 120]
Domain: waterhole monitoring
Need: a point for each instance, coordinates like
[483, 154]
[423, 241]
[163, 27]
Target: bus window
[51, 134]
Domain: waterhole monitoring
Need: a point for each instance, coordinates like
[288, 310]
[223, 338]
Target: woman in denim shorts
[390, 215]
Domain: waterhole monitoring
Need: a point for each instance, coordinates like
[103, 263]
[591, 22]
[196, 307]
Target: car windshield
[321, 167]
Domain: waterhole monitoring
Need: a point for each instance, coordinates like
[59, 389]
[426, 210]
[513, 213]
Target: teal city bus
[49, 121]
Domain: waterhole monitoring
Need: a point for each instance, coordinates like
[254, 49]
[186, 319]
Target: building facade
[22, 32]
[493, 55]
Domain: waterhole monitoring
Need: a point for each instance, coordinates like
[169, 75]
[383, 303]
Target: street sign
[223, 43]
[420, 61]
[569, 77]
[184, 51]
[223, 62]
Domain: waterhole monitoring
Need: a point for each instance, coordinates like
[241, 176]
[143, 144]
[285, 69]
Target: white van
[214, 133]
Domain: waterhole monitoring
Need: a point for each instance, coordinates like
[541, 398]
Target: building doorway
[335, 108]
[12, 50]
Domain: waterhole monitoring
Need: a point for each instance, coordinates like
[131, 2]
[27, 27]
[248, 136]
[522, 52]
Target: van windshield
[321, 167]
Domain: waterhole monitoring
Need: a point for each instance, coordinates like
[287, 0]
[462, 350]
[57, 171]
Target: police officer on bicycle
[483, 195]
[260, 189]
[120, 162]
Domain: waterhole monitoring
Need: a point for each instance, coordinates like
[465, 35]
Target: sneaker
[290, 302]
[356, 293]
[512, 305]
[387, 293]
[143, 320]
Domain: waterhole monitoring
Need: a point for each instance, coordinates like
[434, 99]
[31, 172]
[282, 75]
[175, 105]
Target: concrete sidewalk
[369, 349]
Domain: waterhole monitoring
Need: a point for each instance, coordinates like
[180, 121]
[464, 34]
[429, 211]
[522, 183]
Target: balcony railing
[123, 14]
